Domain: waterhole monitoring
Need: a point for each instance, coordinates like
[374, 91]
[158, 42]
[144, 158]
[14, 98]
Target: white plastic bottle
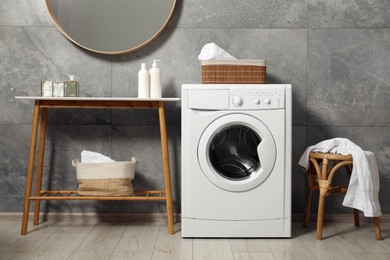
[155, 81]
[143, 82]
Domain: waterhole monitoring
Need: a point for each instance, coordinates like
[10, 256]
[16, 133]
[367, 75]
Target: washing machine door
[237, 152]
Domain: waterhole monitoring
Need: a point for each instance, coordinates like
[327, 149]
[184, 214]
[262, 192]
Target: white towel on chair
[363, 188]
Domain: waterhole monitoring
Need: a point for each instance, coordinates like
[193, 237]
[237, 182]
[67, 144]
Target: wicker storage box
[105, 179]
[233, 72]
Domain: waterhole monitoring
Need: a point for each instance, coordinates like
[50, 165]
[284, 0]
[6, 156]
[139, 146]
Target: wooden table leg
[30, 170]
[41, 152]
[165, 158]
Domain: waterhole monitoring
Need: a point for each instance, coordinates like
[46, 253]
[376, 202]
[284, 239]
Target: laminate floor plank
[328, 248]
[385, 242]
[63, 242]
[16, 246]
[172, 246]
[289, 248]
[138, 241]
[212, 249]
[151, 241]
[7, 231]
[251, 245]
[358, 240]
[372, 256]
[253, 256]
[100, 243]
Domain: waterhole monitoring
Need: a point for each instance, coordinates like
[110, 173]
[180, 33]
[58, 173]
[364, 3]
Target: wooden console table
[41, 105]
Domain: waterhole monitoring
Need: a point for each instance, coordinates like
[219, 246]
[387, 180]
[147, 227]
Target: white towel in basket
[94, 157]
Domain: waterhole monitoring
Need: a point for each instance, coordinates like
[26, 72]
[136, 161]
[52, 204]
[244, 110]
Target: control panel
[259, 98]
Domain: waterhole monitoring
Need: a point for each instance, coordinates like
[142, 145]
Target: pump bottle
[155, 81]
[71, 87]
[143, 82]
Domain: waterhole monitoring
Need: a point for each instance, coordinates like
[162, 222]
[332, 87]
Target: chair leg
[377, 228]
[320, 217]
[306, 214]
[324, 185]
[356, 217]
[310, 179]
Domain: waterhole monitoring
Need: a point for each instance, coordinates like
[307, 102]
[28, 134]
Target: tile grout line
[111, 110]
[307, 61]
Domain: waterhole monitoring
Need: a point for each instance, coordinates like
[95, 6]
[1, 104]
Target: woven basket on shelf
[105, 179]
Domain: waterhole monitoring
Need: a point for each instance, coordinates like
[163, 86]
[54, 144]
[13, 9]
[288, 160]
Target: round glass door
[233, 152]
[237, 152]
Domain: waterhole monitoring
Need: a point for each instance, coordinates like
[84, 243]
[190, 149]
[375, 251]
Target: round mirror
[111, 26]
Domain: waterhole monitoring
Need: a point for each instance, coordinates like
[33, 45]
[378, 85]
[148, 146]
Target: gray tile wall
[336, 54]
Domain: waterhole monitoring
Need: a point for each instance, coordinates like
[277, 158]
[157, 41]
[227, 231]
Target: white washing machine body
[236, 160]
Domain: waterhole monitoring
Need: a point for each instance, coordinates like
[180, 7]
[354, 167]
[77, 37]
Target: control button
[238, 101]
[267, 101]
[257, 101]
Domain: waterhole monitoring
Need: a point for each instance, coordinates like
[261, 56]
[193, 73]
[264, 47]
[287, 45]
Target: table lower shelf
[153, 195]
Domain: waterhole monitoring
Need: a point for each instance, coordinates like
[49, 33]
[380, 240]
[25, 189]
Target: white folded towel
[211, 51]
[363, 188]
[93, 157]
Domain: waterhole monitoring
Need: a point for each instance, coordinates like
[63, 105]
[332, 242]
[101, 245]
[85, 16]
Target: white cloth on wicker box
[212, 51]
[363, 188]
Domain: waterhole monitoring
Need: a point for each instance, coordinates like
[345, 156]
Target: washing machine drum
[237, 152]
[233, 151]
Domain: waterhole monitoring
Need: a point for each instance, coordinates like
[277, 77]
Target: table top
[96, 98]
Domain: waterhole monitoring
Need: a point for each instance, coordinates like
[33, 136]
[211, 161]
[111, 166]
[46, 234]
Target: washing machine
[236, 160]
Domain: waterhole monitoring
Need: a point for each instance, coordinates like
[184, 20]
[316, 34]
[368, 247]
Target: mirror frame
[131, 49]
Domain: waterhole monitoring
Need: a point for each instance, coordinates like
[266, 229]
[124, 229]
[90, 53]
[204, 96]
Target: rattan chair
[320, 175]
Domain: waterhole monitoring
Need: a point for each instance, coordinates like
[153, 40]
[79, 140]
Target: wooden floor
[85, 240]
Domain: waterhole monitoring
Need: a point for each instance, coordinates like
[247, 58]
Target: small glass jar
[58, 89]
[71, 88]
[47, 88]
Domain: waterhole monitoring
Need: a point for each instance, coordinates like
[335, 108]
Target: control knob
[257, 101]
[267, 101]
[238, 101]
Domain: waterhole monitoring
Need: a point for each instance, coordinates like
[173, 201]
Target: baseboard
[158, 217]
[340, 218]
[90, 217]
